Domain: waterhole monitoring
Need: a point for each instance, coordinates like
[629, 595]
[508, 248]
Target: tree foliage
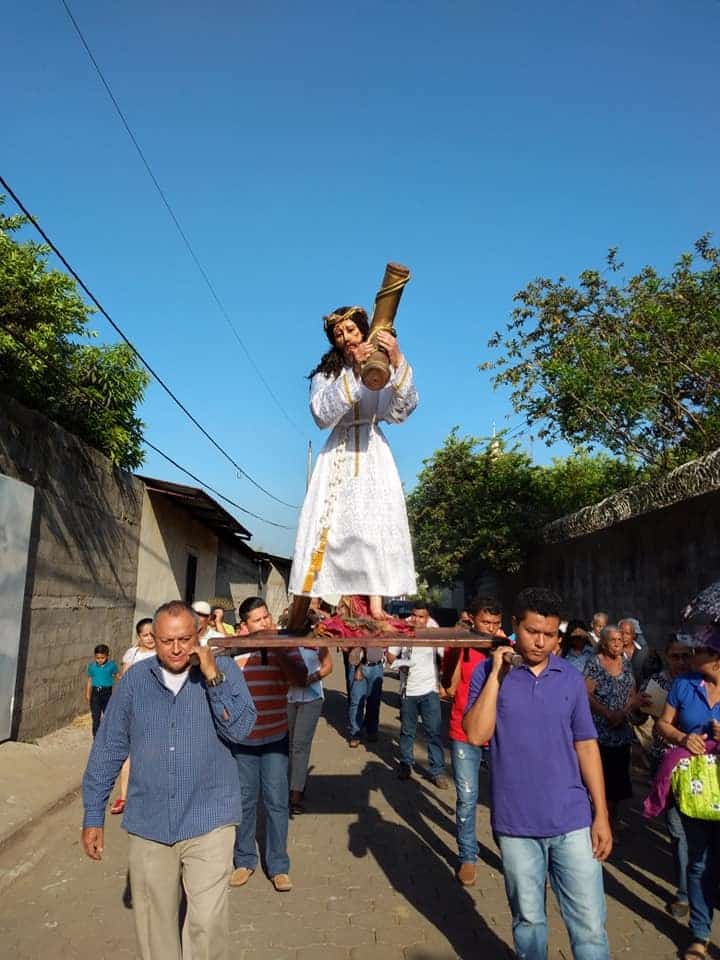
[481, 505]
[91, 390]
[632, 367]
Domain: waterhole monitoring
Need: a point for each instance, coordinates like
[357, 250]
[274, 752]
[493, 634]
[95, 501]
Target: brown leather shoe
[466, 874]
[240, 876]
[282, 882]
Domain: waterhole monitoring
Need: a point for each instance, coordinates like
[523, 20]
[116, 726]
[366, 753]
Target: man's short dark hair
[486, 603]
[537, 600]
[418, 604]
[102, 648]
[248, 605]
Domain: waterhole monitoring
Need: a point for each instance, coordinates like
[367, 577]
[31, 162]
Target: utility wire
[44, 360]
[6, 186]
[207, 486]
[175, 220]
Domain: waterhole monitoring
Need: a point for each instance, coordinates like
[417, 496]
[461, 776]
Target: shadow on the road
[427, 810]
[414, 869]
[643, 843]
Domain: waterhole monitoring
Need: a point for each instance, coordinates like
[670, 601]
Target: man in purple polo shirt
[533, 708]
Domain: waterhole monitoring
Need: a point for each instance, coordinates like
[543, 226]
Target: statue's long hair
[332, 362]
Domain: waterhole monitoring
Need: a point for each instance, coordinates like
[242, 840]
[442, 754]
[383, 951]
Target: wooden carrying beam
[442, 637]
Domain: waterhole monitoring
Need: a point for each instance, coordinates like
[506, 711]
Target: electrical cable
[175, 220]
[43, 359]
[220, 496]
[134, 349]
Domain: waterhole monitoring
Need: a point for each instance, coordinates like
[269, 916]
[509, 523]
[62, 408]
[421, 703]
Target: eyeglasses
[183, 641]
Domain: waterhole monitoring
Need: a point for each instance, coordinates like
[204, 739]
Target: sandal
[696, 951]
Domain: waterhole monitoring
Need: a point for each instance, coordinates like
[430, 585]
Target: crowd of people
[554, 703]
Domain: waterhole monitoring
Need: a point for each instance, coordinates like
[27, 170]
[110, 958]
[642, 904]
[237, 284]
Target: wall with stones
[80, 587]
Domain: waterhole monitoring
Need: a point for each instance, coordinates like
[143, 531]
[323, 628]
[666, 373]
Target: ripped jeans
[466, 761]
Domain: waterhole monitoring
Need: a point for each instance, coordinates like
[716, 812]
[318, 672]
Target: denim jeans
[703, 841]
[263, 768]
[577, 880]
[99, 699]
[678, 840]
[466, 761]
[426, 706]
[365, 699]
[302, 720]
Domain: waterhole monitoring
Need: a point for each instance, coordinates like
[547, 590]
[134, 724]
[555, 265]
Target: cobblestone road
[372, 863]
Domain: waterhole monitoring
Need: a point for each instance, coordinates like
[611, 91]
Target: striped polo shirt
[268, 689]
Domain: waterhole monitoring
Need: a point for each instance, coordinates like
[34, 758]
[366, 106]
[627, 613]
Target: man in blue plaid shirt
[175, 715]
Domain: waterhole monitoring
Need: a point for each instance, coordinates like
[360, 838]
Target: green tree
[93, 391]
[479, 505]
[632, 367]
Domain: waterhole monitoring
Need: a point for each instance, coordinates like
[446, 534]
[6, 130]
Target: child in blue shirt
[101, 674]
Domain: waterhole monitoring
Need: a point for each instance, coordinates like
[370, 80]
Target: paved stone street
[372, 863]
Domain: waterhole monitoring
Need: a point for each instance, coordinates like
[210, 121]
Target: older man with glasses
[175, 716]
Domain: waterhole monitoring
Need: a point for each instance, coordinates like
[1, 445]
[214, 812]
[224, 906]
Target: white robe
[355, 494]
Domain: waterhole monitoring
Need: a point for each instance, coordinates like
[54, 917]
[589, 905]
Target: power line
[44, 360]
[207, 486]
[175, 220]
[81, 283]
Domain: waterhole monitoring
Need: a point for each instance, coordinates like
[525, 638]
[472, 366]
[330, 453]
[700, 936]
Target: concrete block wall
[83, 564]
[647, 566]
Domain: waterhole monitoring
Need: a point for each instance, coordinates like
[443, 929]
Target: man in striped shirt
[262, 758]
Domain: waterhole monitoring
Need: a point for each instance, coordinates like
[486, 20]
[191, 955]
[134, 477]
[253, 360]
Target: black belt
[374, 663]
[102, 688]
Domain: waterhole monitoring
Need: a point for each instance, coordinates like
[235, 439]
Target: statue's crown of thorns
[332, 318]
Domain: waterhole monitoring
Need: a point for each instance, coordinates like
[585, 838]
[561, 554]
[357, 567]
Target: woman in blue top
[690, 717]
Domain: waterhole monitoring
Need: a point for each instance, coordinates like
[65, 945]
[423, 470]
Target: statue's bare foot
[376, 609]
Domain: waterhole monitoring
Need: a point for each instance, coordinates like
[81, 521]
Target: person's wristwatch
[216, 680]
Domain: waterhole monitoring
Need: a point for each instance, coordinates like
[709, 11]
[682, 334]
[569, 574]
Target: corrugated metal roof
[200, 504]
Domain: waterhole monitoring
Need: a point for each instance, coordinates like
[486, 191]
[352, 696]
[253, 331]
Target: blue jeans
[678, 841]
[263, 768]
[365, 699]
[466, 761]
[703, 841]
[577, 880]
[426, 706]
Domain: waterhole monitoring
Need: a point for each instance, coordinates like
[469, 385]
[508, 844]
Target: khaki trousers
[203, 866]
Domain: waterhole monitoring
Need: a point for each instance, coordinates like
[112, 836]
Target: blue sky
[304, 145]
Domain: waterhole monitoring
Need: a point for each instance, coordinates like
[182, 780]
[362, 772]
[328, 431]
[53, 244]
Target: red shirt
[469, 659]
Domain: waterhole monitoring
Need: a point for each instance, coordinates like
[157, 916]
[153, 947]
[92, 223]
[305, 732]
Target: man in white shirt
[206, 632]
[419, 697]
